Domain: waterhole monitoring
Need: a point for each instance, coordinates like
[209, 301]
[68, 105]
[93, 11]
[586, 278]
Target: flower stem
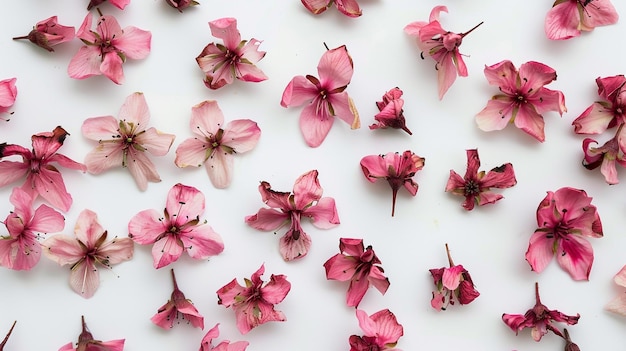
[174, 279]
[6, 338]
[394, 193]
[537, 299]
[449, 257]
[22, 37]
[471, 30]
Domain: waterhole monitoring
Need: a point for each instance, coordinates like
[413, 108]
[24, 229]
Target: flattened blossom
[224, 345]
[453, 283]
[381, 332]
[8, 94]
[177, 306]
[349, 8]
[391, 114]
[48, 33]
[568, 18]
[86, 342]
[618, 304]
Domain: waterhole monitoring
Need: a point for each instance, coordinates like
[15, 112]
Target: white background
[490, 241]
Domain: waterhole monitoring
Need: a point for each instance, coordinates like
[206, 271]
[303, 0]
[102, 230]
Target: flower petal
[315, 123]
[111, 67]
[84, 278]
[562, 21]
[63, 249]
[184, 203]
[276, 289]
[323, 213]
[142, 169]
[340, 267]
[267, 219]
[85, 63]
[146, 226]
[335, 68]
[349, 8]
[192, 152]
[220, 168]
[316, 6]
[226, 29]
[134, 43]
[155, 142]
[292, 246]
[104, 156]
[575, 255]
[495, 116]
[241, 135]
[531, 122]
[201, 242]
[298, 91]
[135, 110]
[540, 250]
[206, 118]
[165, 251]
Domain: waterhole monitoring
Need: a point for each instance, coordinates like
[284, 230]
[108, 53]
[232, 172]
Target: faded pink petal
[8, 94]
[142, 169]
[452, 277]
[568, 18]
[85, 63]
[135, 43]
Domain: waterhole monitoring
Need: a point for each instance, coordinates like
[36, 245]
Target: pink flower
[452, 283]
[254, 303]
[178, 230]
[605, 157]
[215, 145]
[48, 33]
[87, 251]
[522, 98]
[349, 8]
[42, 177]
[360, 266]
[120, 4]
[476, 186]
[567, 18]
[86, 342]
[8, 94]
[539, 318]
[326, 96]
[124, 142]
[225, 345]
[442, 46]
[391, 113]
[288, 208]
[564, 218]
[381, 332]
[618, 304]
[6, 338]
[607, 113]
[177, 305]
[222, 63]
[397, 169]
[180, 5]
[107, 48]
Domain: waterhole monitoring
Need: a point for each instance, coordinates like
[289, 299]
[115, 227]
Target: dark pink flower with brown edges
[381, 332]
[391, 114]
[453, 283]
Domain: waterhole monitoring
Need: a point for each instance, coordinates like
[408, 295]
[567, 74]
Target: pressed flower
[120, 4]
[325, 96]
[177, 306]
[539, 318]
[381, 332]
[216, 144]
[618, 304]
[606, 113]
[225, 345]
[236, 58]
[453, 283]
[178, 230]
[42, 177]
[48, 33]
[476, 185]
[397, 169]
[124, 142]
[360, 266]
[349, 8]
[442, 46]
[288, 209]
[180, 5]
[254, 303]
[88, 250]
[391, 113]
[605, 157]
[8, 94]
[567, 18]
[107, 48]
[86, 342]
[565, 218]
[6, 338]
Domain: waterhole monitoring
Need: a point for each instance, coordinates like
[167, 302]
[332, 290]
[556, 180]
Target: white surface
[490, 241]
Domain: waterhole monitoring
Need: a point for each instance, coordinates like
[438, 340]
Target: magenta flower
[236, 58]
[254, 303]
[86, 342]
[453, 283]
[618, 304]
[124, 142]
[88, 250]
[120, 4]
[107, 48]
[178, 230]
[360, 266]
[391, 113]
[326, 96]
[564, 218]
[288, 208]
[48, 33]
[349, 8]
[177, 306]
[522, 99]
[215, 145]
[476, 186]
[225, 345]
[180, 5]
[6, 338]
[605, 157]
[397, 169]
[381, 332]
[607, 113]
[567, 18]
[8, 94]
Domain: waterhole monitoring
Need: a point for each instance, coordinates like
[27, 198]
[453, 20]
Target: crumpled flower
[225, 345]
[605, 157]
[8, 94]
[381, 332]
[42, 177]
[397, 169]
[567, 18]
[618, 304]
[564, 218]
[453, 283]
[120, 4]
[391, 113]
[349, 8]
[215, 145]
[254, 303]
[177, 306]
[606, 113]
[88, 250]
[522, 99]
[86, 342]
[288, 208]
[326, 97]
[48, 33]
[539, 318]
[236, 58]
[124, 142]
[442, 46]
[6, 338]
[476, 186]
[180, 5]
[360, 266]
[107, 48]
[178, 230]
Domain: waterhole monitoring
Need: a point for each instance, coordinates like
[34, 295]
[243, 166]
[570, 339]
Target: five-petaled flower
[326, 96]
[254, 303]
[564, 218]
[178, 230]
[216, 144]
[288, 208]
[381, 332]
[120, 4]
[180, 5]
[453, 283]
[48, 33]
[6, 338]
[567, 18]
[618, 304]
[86, 342]
[606, 113]
[349, 8]
[360, 266]
[391, 113]
[224, 345]
[8, 94]
[177, 306]
[88, 250]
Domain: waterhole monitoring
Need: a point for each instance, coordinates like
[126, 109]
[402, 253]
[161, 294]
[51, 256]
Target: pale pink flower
[360, 266]
[236, 58]
[288, 209]
[107, 48]
[124, 142]
[325, 97]
[42, 177]
[522, 99]
[606, 113]
[8, 94]
[381, 332]
[180, 5]
[565, 218]
[48, 33]
[254, 303]
[391, 112]
[618, 304]
[349, 8]
[6, 338]
[606, 157]
[86, 342]
[216, 144]
[567, 18]
[88, 250]
[177, 306]
[453, 283]
[225, 345]
[120, 4]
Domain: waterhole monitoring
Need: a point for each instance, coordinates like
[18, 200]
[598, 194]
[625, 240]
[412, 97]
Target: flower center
[472, 188]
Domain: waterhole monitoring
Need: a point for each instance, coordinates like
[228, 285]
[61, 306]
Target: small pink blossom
[565, 218]
[360, 266]
[177, 306]
[48, 33]
[567, 18]
[86, 342]
[325, 97]
[453, 283]
[606, 113]
[606, 157]
[225, 345]
[236, 58]
[391, 113]
[618, 304]
[349, 8]
[288, 208]
[8, 94]
[180, 5]
[215, 145]
[178, 230]
[254, 303]
[381, 332]
[120, 4]
[6, 338]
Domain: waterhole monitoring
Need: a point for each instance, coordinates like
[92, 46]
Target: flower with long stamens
[568, 18]
[177, 306]
[8, 94]
[381, 332]
[349, 8]
[86, 342]
[453, 283]
[48, 33]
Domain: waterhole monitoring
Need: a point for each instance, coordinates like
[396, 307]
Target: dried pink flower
[6, 338]
[225, 345]
[177, 306]
[606, 113]
[48, 33]
[391, 113]
[180, 5]
[381, 332]
[618, 304]
[349, 8]
[454, 283]
[86, 342]
[605, 157]
[569, 345]
[567, 18]
[8, 94]
[120, 4]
